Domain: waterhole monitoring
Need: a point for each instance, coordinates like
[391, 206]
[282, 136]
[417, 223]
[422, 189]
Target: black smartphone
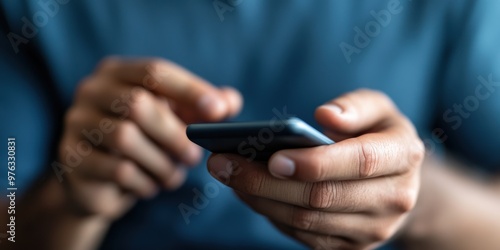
[256, 140]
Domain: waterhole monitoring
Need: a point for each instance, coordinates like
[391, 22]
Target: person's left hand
[354, 194]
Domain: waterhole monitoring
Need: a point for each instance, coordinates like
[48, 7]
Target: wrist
[45, 209]
[423, 221]
[77, 231]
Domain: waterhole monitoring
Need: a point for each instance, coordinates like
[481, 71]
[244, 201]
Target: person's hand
[354, 194]
[127, 126]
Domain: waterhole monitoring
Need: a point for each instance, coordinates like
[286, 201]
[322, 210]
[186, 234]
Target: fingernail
[220, 167]
[281, 166]
[333, 108]
[210, 104]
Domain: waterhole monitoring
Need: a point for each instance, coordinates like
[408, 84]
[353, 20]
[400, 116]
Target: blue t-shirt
[438, 60]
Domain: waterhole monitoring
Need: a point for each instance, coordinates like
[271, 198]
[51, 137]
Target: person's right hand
[133, 113]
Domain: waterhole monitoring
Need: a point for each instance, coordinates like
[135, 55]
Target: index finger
[176, 83]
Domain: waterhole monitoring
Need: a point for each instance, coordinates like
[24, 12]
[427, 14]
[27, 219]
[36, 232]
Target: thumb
[355, 113]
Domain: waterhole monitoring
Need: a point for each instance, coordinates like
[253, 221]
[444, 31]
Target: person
[96, 97]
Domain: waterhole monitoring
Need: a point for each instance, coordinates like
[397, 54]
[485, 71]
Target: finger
[232, 96]
[125, 138]
[108, 94]
[151, 113]
[356, 112]
[111, 168]
[129, 141]
[357, 227]
[173, 82]
[391, 151]
[93, 197]
[372, 196]
[315, 241]
[163, 126]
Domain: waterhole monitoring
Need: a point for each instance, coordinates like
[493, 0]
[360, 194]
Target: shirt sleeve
[470, 104]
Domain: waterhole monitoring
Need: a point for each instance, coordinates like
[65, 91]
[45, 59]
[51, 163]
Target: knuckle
[73, 116]
[108, 64]
[85, 89]
[304, 219]
[254, 184]
[323, 194]
[137, 94]
[180, 144]
[124, 134]
[182, 148]
[316, 162]
[140, 101]
[368, 160]
[404, 201]
[381, 233]
[382, 98]
[157, 66]
[415, 150]
[175, 179]
[124, 172]
[61, 150]
[417, 153]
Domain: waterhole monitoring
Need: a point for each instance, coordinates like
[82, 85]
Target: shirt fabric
[438, 60]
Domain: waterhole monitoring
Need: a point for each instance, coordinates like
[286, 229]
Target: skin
[356, 194]
[455, 210]
[364, 190]
[147, 150]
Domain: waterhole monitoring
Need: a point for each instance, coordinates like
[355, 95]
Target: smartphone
[256, 140]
